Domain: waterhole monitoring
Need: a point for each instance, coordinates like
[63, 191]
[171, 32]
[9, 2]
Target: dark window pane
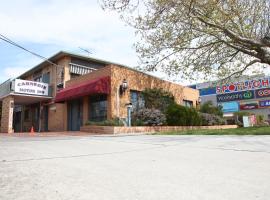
[137, 100]
[98, 108]
[188, 103]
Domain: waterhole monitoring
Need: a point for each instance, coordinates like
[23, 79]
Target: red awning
[96, 86]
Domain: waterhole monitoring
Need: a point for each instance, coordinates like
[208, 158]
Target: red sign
[242, 86]
[249, 105]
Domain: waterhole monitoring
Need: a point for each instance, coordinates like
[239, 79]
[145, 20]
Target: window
[38, 79]
[26, 114]
[46, 78]
[188, 103]
[98, 108]
[137, 100]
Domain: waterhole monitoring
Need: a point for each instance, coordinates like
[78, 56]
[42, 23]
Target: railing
[80, 69]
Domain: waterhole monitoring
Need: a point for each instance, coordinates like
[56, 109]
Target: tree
[209, 108]
[157, 98]
[192, 38]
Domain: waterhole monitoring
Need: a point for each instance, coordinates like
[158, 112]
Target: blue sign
[229, 107]
[207, 91]
[245, 95]
[265, 103]
[192, 86]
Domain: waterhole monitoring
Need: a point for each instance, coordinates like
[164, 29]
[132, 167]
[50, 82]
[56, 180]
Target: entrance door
[36, 116]
[46, 118]
[17, 121]
[74, 115]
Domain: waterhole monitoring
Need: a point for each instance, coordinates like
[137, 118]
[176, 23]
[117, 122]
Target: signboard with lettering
[245, 95]
[262, 93]
[243, 86]
[229, 107]
[31, 87]
[265, 103]
[249, 105]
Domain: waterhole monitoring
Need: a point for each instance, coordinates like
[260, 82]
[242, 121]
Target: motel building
[251, 94]
[77, 89]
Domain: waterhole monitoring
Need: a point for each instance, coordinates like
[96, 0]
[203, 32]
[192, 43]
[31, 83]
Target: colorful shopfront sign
[229, 107]
[264, 103]
[236, 96]
[243, 86]
[262, 93]
[249, 105]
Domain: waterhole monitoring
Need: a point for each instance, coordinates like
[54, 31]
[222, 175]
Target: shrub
[148, 117]
[209, 108]
[238, 117]
[211, 119]
[109, 122]
[260, 119]
[157, 99]
[178, 115]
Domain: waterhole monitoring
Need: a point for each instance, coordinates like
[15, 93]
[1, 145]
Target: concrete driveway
[135, 167]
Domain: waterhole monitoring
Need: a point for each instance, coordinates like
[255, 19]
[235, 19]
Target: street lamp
[123, 87]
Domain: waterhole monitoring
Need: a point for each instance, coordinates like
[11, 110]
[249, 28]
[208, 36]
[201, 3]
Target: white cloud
[68, 25]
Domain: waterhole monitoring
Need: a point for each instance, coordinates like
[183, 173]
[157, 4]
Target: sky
[47, 27]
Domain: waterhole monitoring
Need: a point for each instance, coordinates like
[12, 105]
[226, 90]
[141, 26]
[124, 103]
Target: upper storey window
[38, 79]
[79, 69]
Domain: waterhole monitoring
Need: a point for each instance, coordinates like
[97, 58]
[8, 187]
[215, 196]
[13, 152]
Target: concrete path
[135, 167]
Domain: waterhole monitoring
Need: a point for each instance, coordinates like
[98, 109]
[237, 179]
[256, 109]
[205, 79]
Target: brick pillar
[7, 115]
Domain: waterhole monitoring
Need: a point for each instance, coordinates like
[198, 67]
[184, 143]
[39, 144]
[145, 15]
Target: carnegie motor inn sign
[243, 86]
[31, 87]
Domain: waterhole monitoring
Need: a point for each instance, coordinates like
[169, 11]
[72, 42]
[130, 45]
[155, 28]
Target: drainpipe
[129, 107]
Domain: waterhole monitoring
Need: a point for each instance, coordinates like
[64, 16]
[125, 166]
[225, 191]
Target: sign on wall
[249, 105]
[262, 93]
[265, 103]
[207, 91]
[229, 107]
[31, 87]
[243, 86]
[245, 95]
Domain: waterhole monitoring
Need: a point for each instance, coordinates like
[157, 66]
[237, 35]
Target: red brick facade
[116, 103]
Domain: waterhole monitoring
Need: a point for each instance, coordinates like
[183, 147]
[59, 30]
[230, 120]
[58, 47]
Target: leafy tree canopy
[209, 108]
[195, 38]
[157, 98]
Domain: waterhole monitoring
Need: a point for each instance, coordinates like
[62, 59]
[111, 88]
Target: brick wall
[147, 129]
[7, 114]
[106, 71]
[140, 81]
[57, 117]
[136, 81]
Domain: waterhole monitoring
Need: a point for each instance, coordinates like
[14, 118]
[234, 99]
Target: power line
[6, 39]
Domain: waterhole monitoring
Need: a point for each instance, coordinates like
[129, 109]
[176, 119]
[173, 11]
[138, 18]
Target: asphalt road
[135, 167]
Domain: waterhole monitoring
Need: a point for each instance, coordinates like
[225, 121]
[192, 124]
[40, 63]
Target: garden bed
[146, 129]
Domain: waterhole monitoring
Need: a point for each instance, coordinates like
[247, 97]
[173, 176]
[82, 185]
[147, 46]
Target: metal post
[39, 118]
[129, 116]
[129, 106]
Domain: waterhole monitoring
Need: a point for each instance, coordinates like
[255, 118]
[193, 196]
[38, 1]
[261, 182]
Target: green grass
[237, 131]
